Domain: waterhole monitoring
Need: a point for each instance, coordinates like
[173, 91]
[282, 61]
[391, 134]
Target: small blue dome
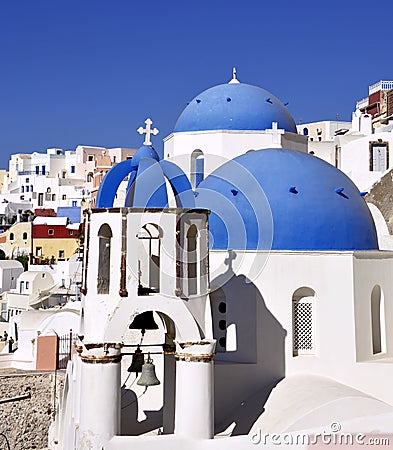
[313, 205]
[145, 151]
[236, 106]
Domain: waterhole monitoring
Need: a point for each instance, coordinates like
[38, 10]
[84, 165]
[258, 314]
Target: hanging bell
[137, 361]
[148, 376]
[144, 321]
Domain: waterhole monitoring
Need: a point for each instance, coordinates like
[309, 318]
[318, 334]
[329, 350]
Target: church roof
[285, 200]
[234, 106]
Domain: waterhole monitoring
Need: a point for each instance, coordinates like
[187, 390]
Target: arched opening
[89, 177]
[378, 330]
[197, 168]
[104, 259]
[303, 321]
[149, 249]
[305, 131]
[24, 236]
[192, 260]
[158, 400]
[12, 237]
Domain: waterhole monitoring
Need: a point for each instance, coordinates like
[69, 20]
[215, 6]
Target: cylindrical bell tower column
[194, 410]
[100, 394]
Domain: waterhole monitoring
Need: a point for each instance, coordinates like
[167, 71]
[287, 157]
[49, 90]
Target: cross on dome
[148, 131]
[234, 79]
[276, 135]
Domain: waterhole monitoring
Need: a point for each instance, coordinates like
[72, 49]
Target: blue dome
[145, 151]
[236, 106]
[312, 205]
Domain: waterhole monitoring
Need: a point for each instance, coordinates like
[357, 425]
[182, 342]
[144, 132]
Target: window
[104, 248]
[53, 197]
[61, 254]
[90, 158]
[27, 188]
[197, 167]
[74, 203]
[38, 251]
[51, 231]
[70, 232]
[114, 159]
[43, 168]
[24, 236]
[22, 197]
[192, 260]
[72, 169]
[40, 199]
[12, 237]
[378, 321]
[22, 189]
[27, 285]
[22, 287]
[63, 197]
[149, 255]
[37, 170]
[379, 156]
[303, 311]
[31, 188]
[27, 180]
[305, 131]
[89, 177]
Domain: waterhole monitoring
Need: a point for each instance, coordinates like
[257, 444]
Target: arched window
[303, 321]
[192, 260]
[378, 321]
[12, 237]
[24, 236]
[149, 249]
[197, 168]
[89, 177]
[305, 131]
[104, 259]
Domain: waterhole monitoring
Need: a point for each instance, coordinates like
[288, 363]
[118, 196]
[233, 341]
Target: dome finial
[148, 131]
[234, 79]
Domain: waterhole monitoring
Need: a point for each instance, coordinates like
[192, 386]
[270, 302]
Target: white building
[283, 326]
[57, 178]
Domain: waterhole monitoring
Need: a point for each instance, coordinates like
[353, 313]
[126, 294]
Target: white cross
[275, 132]
[148, 131]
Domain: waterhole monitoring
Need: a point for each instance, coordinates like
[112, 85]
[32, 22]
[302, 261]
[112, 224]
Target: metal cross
[148, 131]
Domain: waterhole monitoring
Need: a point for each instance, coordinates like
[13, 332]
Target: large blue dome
[313, 205]
[235, 106]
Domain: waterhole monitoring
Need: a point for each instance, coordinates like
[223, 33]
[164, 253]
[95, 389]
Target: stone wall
[381, 195]
[25, 422]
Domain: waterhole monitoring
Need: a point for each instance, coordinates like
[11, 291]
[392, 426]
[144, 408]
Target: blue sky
[90, 71]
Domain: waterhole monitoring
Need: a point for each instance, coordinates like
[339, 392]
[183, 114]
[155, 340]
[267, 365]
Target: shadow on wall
[129, 416]
[250, 360]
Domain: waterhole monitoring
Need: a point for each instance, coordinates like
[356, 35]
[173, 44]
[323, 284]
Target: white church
[246, 275]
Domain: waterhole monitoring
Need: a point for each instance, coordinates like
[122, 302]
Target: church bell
[148, 376]
[137, 361]
[143, 322]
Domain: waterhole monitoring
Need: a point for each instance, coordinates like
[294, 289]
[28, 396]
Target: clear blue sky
[90, 71]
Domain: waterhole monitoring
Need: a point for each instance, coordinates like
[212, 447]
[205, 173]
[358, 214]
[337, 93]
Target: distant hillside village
[42, 199]
[73, 277]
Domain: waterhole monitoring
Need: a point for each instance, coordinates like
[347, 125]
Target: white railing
[362, 103]
[382, 85]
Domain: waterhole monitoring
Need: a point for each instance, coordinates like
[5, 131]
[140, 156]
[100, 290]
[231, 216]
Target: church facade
[248, 274]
